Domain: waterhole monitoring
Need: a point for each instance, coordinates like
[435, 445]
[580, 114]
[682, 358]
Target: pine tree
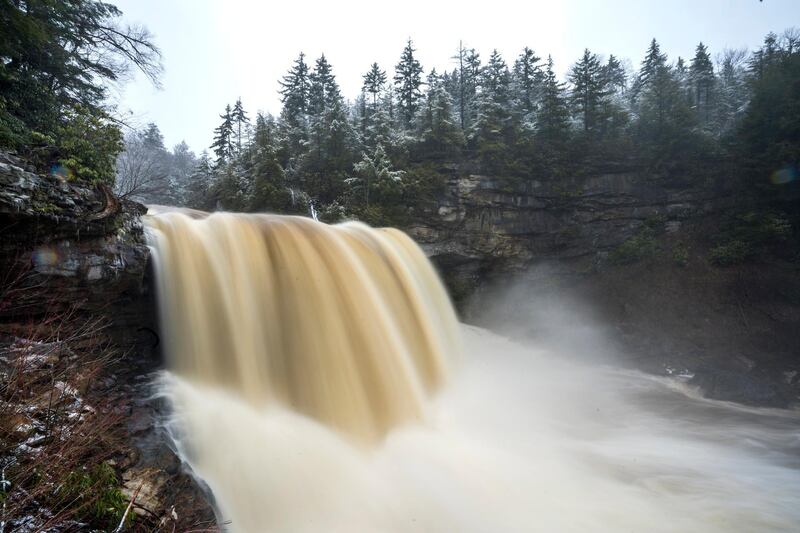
[654, 63]
[439, 136]
[182, 163]
[223, 137]
[375, 177]
[553, 116]
[407, 80]
[495, 79]
[665, 120]
[589, 89]
[732, 93]
[200, 183]
[615, 75]
[526, 87]
[492, 132]
[269, 192]
[295, 93]
[373, 85]
[295, 87]
[239, 118]
[329, 155]
[703, 81]
[323, 89]
[374, 81]
[381, 127]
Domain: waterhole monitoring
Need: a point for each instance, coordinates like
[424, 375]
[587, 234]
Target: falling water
[318, 384]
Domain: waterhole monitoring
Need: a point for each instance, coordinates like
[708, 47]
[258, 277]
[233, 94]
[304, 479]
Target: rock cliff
[627, 256]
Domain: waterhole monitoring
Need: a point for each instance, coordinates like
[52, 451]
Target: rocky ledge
[621, 263]
[78, 350]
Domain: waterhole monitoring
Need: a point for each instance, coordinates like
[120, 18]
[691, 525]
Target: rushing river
[320, 382]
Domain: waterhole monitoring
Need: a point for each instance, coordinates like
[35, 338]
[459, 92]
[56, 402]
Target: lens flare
[784, 175]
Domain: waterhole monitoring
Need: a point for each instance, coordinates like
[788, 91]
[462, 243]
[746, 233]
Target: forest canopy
[729, 115]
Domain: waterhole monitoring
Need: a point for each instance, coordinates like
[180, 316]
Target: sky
[217, 51]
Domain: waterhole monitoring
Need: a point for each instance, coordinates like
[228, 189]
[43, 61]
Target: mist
[520, 440]
[544, 434]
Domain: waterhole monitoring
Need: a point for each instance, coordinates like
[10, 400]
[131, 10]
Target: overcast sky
[216, 51]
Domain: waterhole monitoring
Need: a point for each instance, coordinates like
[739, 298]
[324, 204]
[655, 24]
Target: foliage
[55, 57]
[636, 248]
[680, 254]
[749, 235]
[88, 144]
[731, 253]
[96, 491]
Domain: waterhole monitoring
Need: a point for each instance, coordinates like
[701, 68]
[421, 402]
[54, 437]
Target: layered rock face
[72, 246]
[485, 226]
[74, 285]
[547, 260]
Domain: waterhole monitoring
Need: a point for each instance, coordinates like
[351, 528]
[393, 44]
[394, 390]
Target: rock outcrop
[71, 246]
[74, 276]
[627, 256]
[484, 226]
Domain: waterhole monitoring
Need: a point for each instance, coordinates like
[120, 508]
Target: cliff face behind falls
[656, 268]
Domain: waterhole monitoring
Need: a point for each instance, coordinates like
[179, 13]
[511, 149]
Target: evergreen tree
[328, 158]
[269, 192]
[463, 86]
[665, 121]
[589, 90]
[374, 81]
[223, 137]
[374, 177]
[732, 91]
[181, 166]
[495, 79]
[439, 136]
[380, 128]
[295, 93]
[407, 80]
[239, 118]
[553, 117]
[703, 82]
[526, 86]
[615, 75]
[323, 89]
[56, 59]
[200, 183]
[769, 132]
[295, 87]
[492, 131]
[653, 65]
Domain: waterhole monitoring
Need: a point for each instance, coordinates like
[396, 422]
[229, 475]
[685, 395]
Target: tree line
[378, 156]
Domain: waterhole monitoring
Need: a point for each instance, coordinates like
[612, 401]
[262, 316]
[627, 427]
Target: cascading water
[311, 385]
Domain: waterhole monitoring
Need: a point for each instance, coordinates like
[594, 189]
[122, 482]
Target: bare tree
[141, 170]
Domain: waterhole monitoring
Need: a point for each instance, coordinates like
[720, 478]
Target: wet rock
[73, 247]
[749, 388]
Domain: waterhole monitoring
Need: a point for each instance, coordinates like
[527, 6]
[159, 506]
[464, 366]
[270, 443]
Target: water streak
[347, 324]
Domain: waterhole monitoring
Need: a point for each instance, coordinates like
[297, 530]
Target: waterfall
[346, 324]
[318, 382]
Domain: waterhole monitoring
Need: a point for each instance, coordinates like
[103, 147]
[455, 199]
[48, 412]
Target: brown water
[318, 385]
[346, 324]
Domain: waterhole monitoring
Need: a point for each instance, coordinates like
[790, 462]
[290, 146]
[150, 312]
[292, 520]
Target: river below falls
[520, 439]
